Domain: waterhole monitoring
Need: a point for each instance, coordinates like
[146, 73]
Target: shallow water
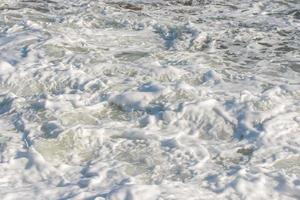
[137, 99]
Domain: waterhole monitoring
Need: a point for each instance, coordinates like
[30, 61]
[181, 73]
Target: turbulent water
[149, 99]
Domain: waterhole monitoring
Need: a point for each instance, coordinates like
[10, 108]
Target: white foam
[160, 99]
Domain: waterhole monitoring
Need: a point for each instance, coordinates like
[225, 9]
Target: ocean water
[150, 99]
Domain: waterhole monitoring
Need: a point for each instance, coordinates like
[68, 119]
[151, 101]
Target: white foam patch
[6, 68]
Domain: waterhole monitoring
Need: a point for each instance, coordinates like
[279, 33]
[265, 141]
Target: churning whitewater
[150, 99]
